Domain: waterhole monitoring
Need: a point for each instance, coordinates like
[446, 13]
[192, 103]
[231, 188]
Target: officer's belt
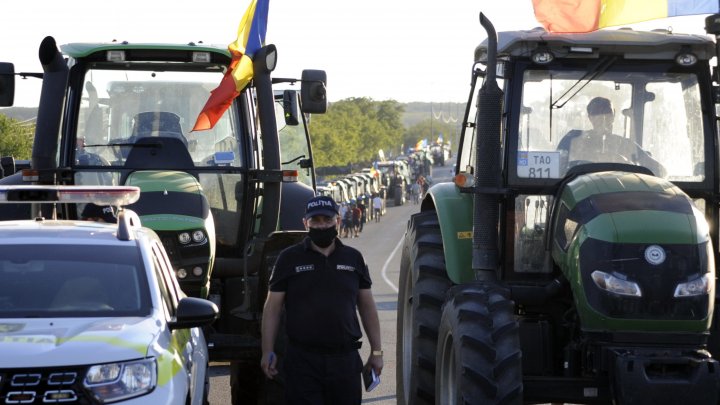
[326, 349]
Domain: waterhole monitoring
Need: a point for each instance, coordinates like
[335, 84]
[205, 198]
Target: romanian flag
[250, 38]
[591, 15]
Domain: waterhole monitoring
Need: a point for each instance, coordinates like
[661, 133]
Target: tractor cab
[603, 100]
[573, 257]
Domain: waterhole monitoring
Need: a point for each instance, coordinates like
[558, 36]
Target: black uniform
[322, 364]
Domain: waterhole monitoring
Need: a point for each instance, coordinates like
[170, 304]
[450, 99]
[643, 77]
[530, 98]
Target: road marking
[387, 263]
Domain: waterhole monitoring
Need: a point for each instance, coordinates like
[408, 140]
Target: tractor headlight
[616, 284]
[181, 273]
[118, 381]
[184, 238]
[198, 236]
[698, 286]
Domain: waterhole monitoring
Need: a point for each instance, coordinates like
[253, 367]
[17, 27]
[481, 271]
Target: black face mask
[323, 237]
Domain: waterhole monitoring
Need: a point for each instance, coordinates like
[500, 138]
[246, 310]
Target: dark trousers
[314, 378]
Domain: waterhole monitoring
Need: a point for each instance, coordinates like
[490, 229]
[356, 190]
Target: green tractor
[395, 177]
[573, 257]
[224, 201]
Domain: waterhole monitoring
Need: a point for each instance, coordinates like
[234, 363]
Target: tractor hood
[620, 207]
[169, 200]
[635, 248]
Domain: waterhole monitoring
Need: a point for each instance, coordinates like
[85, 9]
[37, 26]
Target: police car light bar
[100, 195]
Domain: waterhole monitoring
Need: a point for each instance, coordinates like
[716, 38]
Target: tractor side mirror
[290, 108]
[7, 84]
[313, 94]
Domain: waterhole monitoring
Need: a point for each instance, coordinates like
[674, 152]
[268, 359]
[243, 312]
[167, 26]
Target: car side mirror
[193, 313]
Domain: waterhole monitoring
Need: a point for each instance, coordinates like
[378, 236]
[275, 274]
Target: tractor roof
[657, 44]
[80, 50]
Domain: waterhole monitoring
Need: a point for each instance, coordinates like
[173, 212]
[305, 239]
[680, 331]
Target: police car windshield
[53, 281]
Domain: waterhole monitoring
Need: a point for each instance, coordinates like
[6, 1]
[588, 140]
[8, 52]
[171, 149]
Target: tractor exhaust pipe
[47, 129]
[487, 166]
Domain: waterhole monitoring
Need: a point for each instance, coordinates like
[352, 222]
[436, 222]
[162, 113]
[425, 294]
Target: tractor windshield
[120, 107]
[140, 118]
[647, 118]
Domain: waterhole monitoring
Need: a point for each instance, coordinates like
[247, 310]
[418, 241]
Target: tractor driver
[599, 144]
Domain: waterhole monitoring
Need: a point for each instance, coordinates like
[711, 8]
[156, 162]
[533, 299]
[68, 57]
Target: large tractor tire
[423, 284]
[478, 352]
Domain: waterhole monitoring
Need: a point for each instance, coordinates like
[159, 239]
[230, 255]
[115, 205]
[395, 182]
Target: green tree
[354, 129]
[16, 138]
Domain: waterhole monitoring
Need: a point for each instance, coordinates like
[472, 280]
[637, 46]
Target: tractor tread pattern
[486, 354]
[423, 266]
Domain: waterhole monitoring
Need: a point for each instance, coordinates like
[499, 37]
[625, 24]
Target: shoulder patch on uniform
[345, 267]
[304, 267]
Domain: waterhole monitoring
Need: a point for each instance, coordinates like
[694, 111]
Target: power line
[442, 115]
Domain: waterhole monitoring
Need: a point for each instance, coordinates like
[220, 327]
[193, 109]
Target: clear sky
[406, 50]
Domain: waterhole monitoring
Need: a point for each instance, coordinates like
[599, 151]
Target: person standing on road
[377, 206]
[323, 285]
[344, 208]
[415, 192]
[356, 217]
[363, 212]
[347, 222]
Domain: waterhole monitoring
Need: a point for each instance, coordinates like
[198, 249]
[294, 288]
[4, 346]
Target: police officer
[322, 284]
[96, 213]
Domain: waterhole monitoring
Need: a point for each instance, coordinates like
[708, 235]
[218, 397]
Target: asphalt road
[381, 244]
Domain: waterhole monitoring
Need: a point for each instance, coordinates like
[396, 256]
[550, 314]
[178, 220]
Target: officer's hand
[268, 364]
[376, 362]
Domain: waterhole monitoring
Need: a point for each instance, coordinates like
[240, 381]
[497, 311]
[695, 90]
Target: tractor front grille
[657, 282]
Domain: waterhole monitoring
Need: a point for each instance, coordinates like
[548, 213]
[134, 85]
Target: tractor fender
[454, 211]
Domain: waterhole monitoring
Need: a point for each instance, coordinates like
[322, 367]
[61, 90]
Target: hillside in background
[20, 113]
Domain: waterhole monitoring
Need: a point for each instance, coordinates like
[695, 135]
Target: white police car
[92, 313]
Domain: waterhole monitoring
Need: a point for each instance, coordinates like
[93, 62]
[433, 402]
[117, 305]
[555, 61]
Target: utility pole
[432, 118]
